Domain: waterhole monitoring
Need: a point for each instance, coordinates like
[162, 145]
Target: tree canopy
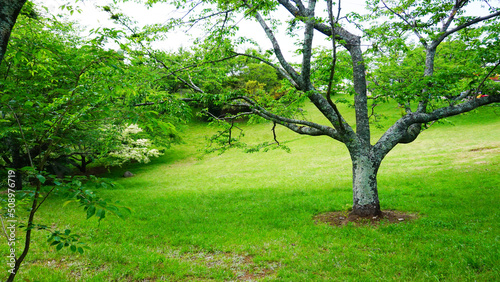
[69, 100]
[66, 102]
[412, 58]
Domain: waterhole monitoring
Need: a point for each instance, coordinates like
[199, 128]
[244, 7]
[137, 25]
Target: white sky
[93, 17]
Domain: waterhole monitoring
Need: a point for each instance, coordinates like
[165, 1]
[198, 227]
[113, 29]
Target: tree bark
[365, 194]
[366, 159]
[9, 10]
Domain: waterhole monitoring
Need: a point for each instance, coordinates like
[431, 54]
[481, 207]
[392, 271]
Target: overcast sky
[93, 17]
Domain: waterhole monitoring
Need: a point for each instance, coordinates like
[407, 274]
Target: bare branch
[488, 3]
[3, 228]
[315, 129]
[307, 45]
[277, 49]
[304, 130]
[454, 11]
[334, 60]
[399, 130]
[467, 24]
[193, 22]
[192, 9]
[230, 131]
[274, 133]
[233, 117]
[152, 55]
[454, 109]
[299, 4]
[201, 64]
[352, 43]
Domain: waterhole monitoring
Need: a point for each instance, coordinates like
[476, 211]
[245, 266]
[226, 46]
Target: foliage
[94, 93]
[64, 101]
[66, 239]
[321, 68]
[413, 60]
[400, 76]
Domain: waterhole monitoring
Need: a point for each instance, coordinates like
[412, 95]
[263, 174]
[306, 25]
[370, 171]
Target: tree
[52, 75]
[432, 23]
[49, 76]
[42, 99]
[9, 10]
[64, 96]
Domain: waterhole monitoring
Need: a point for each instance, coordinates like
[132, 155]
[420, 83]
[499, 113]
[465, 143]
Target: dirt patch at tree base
[342, 218]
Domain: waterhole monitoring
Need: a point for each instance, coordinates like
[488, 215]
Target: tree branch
[280, 70]
[467, 24]
[334, 60]
[413, 26]
[353, 44]
[277, 49]
[486, 77]
[349, 41]
[172, 72]
[456, 7]
[22, 135]
[274, 133]
[346, 38]
[190, 85]
[9, 11]
[307, 45]
[315, 129]
[195, 21]
[402, 129]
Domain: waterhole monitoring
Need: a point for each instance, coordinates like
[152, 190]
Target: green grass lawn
[248, 217]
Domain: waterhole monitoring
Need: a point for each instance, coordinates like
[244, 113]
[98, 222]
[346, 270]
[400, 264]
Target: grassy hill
[248, 217]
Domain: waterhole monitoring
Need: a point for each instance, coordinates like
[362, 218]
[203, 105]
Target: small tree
[61, 96]
[132, 148]
[432, 23]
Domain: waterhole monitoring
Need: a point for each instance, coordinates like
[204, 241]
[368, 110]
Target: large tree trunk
[9, 10]
[365, 195]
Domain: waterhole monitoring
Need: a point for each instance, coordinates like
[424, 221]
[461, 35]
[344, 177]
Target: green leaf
[27, 168]
[60, 246]
[73, 248]
[101, 213]
[67, 202]
[113, 209]
[90, 211]
[41, 178]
